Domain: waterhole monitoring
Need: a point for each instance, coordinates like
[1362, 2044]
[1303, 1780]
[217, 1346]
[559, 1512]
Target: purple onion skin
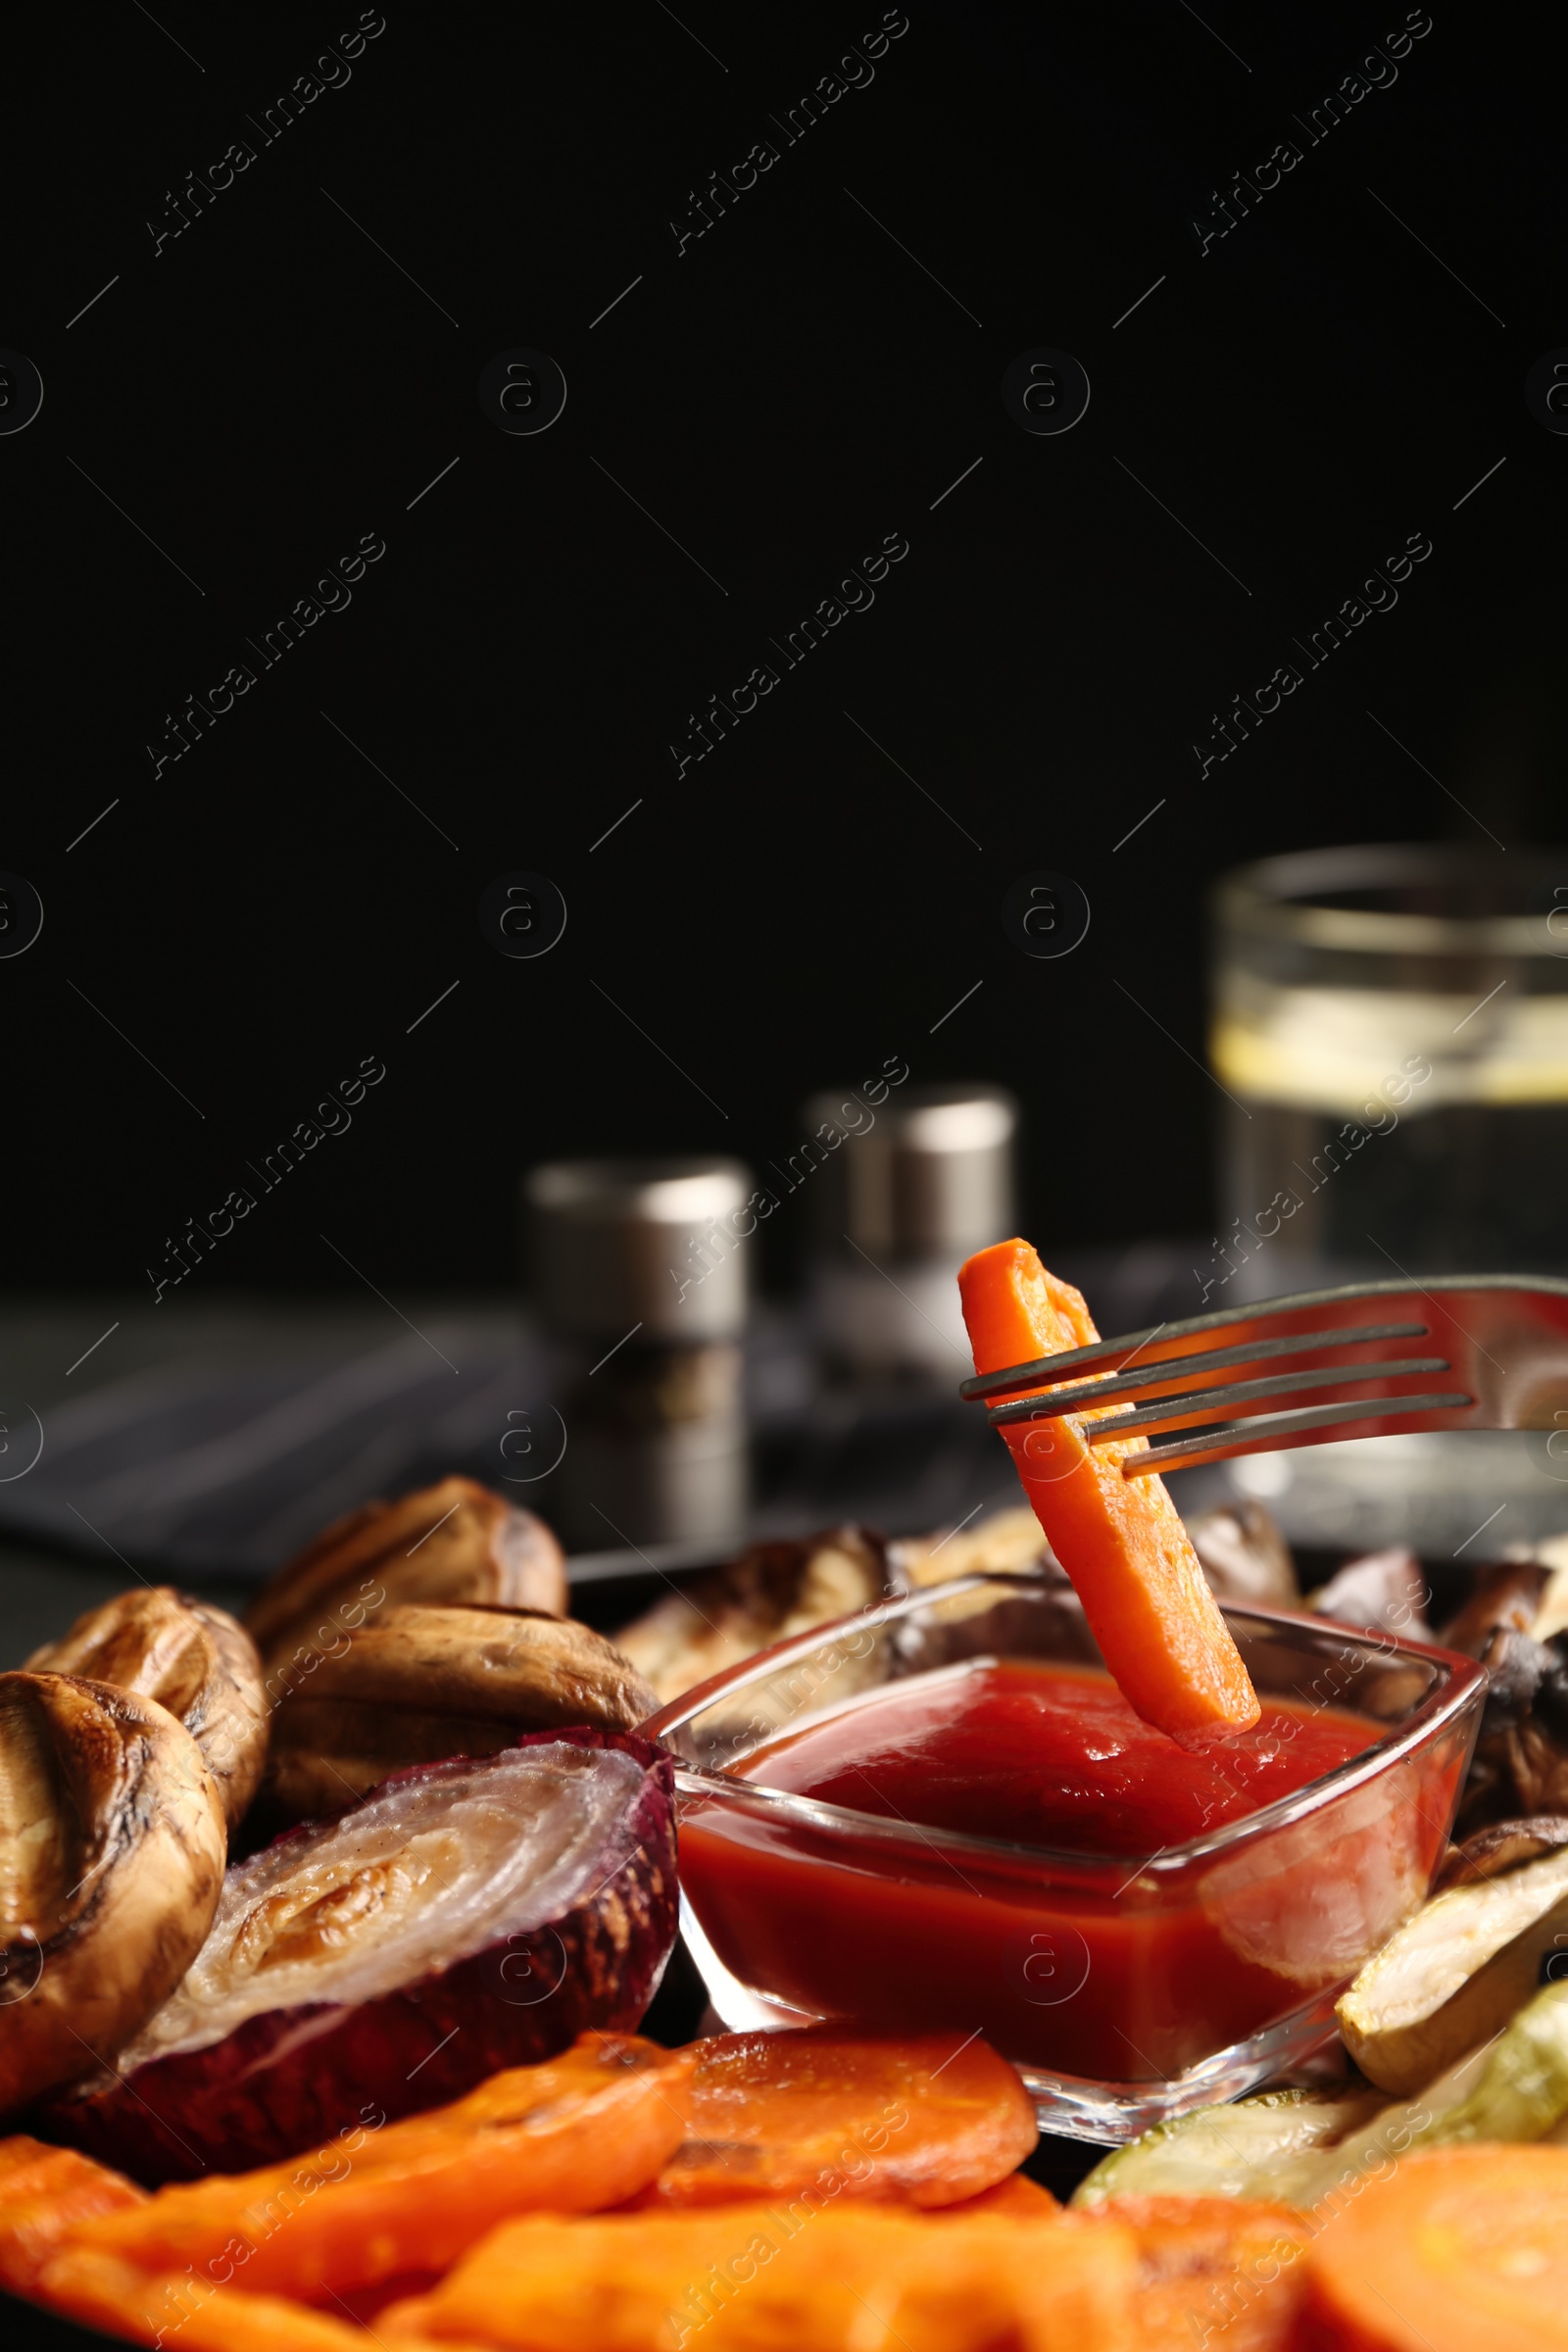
[271, 2090]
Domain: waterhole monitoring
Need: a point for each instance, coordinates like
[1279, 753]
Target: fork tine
[1111, 1354]
[1205, 1406]
[1315, 1425]
[1166, 1371]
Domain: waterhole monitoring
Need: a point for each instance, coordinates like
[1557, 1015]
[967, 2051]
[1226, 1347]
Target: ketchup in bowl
[1019, 1854]
[1044, 1755]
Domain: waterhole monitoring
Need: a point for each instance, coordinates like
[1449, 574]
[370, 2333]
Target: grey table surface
[139, 1356]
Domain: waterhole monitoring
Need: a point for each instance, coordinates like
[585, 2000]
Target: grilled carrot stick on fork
[1158, 1623]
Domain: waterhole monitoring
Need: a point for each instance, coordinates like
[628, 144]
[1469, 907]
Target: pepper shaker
[640, 1277]
[899, 1201]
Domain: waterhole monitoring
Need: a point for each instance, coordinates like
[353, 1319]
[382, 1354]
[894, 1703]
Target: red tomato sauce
[1043, 1756]
[1084, 1965]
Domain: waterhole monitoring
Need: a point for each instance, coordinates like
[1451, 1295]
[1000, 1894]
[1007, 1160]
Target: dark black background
[782, 394]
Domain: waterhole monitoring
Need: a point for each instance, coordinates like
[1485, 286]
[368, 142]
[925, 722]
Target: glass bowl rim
[1461, 1681]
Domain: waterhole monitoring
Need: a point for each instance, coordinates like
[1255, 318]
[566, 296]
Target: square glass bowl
[1125, 1988]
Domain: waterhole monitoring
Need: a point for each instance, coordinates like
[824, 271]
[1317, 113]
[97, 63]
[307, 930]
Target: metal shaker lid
[660, 1242]
[929, 1174]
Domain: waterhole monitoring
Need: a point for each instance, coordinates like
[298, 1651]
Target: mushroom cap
[112, 1850]
[196, 1661]
[454, 1542]
[417, 1684]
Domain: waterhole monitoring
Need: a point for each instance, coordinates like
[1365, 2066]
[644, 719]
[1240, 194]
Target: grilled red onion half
[464, 1916]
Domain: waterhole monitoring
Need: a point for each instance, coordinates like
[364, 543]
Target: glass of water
[1390, 1026]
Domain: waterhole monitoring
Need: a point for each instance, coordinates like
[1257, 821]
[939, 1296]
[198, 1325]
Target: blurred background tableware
[1391, 1027]
[638, 1276]
[1389, 1030]
[912, 1190]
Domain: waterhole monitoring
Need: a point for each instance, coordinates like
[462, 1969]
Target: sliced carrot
[1022, 2198]
[783, 2276]
[928, 2121]
[580, 2132]
[177, 2310]
[36, 2167]
[1158, 1623]
[1216, 2270]
[1462, 2249]
[364, 2305]
[45, 2194]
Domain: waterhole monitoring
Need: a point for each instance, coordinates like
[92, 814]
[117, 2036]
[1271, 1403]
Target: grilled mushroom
[420, 1683]
[1527, 1733]
[1012, 1542]
[1512, 1624]
[1506, 1845]
[1378, 1592]
[456, 1541]
[112, 1853]
[770, 1591]
[1245, 1556]
[194, 1660]
[1506, 1597]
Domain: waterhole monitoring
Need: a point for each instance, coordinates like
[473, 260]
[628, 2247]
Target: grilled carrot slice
[582, 2131]
[787, 2274]
[1462, 2249]
[1158, 1623]
[179, 2308]
[1218, 2271]
[1020, 2197]
[45, 2194]
[926, 2121]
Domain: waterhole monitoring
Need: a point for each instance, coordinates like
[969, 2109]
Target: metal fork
[1464, 1351]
